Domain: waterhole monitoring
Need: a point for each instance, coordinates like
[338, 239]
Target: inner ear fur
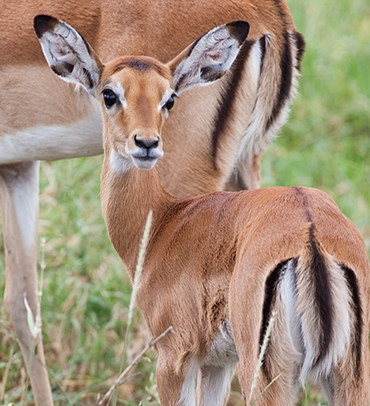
[68, 53]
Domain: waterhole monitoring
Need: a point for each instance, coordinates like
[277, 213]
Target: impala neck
[127, 196]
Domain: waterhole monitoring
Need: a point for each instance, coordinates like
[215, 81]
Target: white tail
[227, 124]
[217, 265]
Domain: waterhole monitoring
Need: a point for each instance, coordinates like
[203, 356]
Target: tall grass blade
[139, 268]
[260, 359]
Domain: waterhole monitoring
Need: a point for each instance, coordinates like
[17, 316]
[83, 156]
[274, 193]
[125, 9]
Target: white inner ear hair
[65, 46]
[216, 51]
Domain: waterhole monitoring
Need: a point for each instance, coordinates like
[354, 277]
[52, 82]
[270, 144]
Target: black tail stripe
[286, 68]
[323, 295]
[353, 287]
[226, 104]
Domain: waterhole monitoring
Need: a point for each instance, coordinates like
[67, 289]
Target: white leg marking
[218, 367]
[216, 384]
[187, 397]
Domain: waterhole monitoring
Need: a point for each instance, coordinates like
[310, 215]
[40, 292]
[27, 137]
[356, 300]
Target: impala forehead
[132, 76]
[130, 85]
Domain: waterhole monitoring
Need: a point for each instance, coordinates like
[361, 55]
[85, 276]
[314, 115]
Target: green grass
[326, 144]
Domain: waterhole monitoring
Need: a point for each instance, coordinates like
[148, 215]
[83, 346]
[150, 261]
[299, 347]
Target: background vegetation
[326, 144]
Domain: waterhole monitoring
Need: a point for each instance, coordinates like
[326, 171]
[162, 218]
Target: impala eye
[170, 102]
[109, 98]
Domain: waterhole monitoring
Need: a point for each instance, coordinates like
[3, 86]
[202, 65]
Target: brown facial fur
[144, 81]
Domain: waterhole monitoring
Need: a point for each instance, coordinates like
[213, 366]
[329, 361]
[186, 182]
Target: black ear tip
[43, 23]
[239, 30]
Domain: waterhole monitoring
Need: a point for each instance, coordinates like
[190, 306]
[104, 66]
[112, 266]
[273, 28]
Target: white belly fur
[50, 143]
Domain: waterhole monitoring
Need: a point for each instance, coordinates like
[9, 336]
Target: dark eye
[170, 102]
[109, 98]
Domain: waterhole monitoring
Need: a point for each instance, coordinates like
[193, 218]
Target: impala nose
[143, 143]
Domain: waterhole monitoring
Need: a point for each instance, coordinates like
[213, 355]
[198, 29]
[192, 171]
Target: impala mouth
[145, 158]
[144, 163]
[146, 153]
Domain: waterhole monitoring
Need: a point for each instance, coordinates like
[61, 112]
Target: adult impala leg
[19, 191]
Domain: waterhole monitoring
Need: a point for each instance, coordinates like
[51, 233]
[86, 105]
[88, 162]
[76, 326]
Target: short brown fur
[207, 262]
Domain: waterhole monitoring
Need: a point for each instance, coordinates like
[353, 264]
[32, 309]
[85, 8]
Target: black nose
[141, 143]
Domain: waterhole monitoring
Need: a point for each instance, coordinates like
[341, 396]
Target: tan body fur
[208, 261]
[217, 266]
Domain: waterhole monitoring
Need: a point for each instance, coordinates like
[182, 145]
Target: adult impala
[218, 265]
[42, 118]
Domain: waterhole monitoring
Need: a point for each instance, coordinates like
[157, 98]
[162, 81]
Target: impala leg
[247, 294]
[176, 388]
[19, 191]
[214, 385]
[351, 385]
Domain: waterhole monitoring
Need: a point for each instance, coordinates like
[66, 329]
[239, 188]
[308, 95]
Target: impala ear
[209, 57]
[67, 52]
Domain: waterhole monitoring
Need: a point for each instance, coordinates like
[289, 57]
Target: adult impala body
[218, 265]
[42, 118]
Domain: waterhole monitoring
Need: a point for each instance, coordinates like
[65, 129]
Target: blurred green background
[326, 144]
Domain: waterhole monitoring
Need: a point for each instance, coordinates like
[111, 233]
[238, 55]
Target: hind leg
[214, 385]
[351, 389]
[281, 360]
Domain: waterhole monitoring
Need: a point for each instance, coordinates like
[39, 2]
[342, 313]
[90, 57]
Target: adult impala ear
[67, 52]
[209, 57]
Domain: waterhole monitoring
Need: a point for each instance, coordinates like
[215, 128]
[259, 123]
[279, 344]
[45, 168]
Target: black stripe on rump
[353, 287]
[286, 68]
[323, 295]
[228, 97]
[300, 192]
[272, 282]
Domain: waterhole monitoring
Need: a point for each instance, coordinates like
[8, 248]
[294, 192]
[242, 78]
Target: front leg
[176, 387]
[19, 203]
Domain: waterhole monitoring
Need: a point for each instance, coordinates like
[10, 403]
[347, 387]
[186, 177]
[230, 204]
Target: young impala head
[137, 93]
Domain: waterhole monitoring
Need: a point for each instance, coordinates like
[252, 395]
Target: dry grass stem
[260, 359]
[139, 268]
[138, 358]
[5, 377]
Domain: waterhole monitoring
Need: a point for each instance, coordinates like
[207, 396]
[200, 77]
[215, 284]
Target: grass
[326, 144]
